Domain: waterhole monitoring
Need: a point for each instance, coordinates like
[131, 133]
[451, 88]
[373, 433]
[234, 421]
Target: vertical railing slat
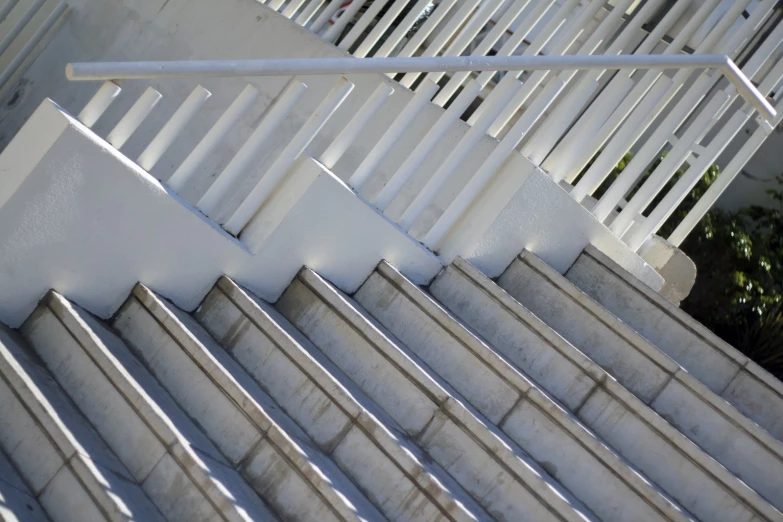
[173, 128]
[241, 162]
[98, 104]
[213, 137]
[392, 135]
[272, 177]
[133, 118]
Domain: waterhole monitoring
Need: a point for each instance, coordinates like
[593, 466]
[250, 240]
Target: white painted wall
[89, 223]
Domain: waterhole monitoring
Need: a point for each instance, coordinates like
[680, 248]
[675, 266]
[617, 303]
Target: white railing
[111, 71]
[494, 108]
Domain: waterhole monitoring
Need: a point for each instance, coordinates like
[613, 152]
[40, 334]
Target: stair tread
[459, 346]
[77, 445]
[337, 388]
[308, 460]
[533, 331]
[728, 435]
[502, 451]
[17, 502]
[722, 368]
[208, 484]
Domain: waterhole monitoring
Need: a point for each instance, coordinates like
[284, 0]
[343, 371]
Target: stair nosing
[416, 472]
[637, 341]
[157, 421]
[453, 408]
[580, 433]
[747, 495]
[234, 391]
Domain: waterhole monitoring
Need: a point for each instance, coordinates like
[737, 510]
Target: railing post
[287, 157]
[425, 147]
[212, 139]
[176, 124]
[340, 144]
[98, 104]
[392, 135]
[240, 163]
[453, 160]
[133, 118]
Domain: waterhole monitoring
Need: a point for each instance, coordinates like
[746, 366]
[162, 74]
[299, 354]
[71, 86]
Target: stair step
[721, 430]
[177, 466]
[722, 368]
[339, 419]
[17, 502]
[272, 453]
[568, 450]
[508, 484]
[693, 479]
[62, 460]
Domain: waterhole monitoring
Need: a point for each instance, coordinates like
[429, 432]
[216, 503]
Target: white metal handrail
[340, 66]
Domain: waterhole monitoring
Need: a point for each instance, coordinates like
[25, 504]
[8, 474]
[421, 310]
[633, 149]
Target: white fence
[576, 121]
[493, 108]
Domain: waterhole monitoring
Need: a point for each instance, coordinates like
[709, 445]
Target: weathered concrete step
[721, 430]
[505, 481]
[176, 465]
[344, 423]
[722, 368]
[559, 442]
[691, 477]
[17, 502]
[63, 462]
[270, 451]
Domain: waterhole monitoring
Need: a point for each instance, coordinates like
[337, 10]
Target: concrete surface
[90, 223]
[485, 462]
[565, 448]
[722, 368]
[62, 459]
[185, 475]
[274, 456]
[363, 441]
[718, 428]
[691, 477]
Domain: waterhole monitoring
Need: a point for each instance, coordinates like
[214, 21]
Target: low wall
[81, 218]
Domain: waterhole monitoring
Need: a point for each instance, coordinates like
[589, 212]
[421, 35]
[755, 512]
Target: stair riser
[16, 498]
[41, 464]
[242, 439]
[422, 412]
[698, 416]
[620, 419]
[116, 420]
[334, 429]
[723, 370]
[531, 420]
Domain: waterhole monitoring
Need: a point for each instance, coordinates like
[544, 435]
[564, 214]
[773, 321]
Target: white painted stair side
[708, 420]
[721, 367]
[270, 451]
[691, 477]
[561, 444]
[505, 481]
[361, 439]
[62, 460]
[179, 469]
[17, 502]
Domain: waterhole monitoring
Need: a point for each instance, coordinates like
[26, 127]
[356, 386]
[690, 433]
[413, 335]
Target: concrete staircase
[525, 399]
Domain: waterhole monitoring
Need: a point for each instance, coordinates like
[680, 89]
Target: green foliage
[739, 289]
